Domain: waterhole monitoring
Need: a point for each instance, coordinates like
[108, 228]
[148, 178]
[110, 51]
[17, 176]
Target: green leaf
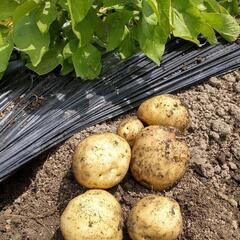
[67, 67]
[154, 6]
[67, 64]
[86, 28]
[154, 29]
[231, 5]
[164, 12]
[126, 3]
[111, 3]
[78, 11]
[6, 47]
[188, 23]
[185, 25]
[127, 47]
[23, 9]
[100, 30]
[150, 15]
[7, 8]
[70, 32]
[209, 33]
[214, 6]
[4, 30]
[87, 62]
[46, 15]
[49, 62]
[67, 52]
[116, 34]
[225, 24]
[152, 40]
[63, 4]
[29, 39]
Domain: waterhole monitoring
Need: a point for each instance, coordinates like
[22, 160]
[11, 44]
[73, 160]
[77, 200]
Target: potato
[129, 128]
[165, 110]
[156, 218]
[156, 133]
[101, 160]
[158, 159]
[94, 215]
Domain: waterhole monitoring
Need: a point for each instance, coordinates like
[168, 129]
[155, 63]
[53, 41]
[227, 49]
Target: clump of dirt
[32, 201]
[7, 110]
[31, 104]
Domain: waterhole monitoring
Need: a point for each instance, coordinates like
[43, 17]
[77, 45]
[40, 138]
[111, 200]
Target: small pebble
[233, 202]
[225, 166]
[236, 151]
[7, 212]
[215, 82]
[221, 158]
[232, 165]
[236, 177]
[222, 128]
[8, 221]
[217, 169]
[235, 224]
[220, 112]
[214, 135]
[236, 87]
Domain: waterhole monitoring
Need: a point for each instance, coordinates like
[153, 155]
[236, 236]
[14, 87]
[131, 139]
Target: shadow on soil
[19, 182]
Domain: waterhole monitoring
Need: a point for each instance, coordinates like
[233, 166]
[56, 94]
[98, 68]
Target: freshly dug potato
[165, 110]
[156, 218]
[101, 160]
[158, 159]
[129, 128]
[94, 215]
[156, 133]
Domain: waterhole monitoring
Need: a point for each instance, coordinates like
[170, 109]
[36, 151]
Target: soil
[32, 200]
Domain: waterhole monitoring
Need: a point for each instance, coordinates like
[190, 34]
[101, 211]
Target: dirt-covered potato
[129, 128]
[94, 215]
[101, 160]
[156, 218]
[158, 159]
[165, 110]
[156, 133]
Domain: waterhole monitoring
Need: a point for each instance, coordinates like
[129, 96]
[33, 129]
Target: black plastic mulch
[37, 113]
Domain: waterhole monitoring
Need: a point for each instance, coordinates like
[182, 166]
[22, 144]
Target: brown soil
[32, 200]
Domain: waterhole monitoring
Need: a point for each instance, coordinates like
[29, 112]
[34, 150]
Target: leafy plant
[75, 33]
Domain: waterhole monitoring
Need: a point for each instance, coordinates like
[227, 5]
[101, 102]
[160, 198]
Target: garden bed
[32, 200]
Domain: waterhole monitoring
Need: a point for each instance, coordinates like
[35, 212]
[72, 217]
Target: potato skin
[156, 218]
[94, 215]
[101, 160]
[158, 159]
[165, 110]
[156, 133]
[129, 128]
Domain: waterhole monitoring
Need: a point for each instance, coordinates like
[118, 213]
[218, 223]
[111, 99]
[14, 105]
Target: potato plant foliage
[76, 33]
